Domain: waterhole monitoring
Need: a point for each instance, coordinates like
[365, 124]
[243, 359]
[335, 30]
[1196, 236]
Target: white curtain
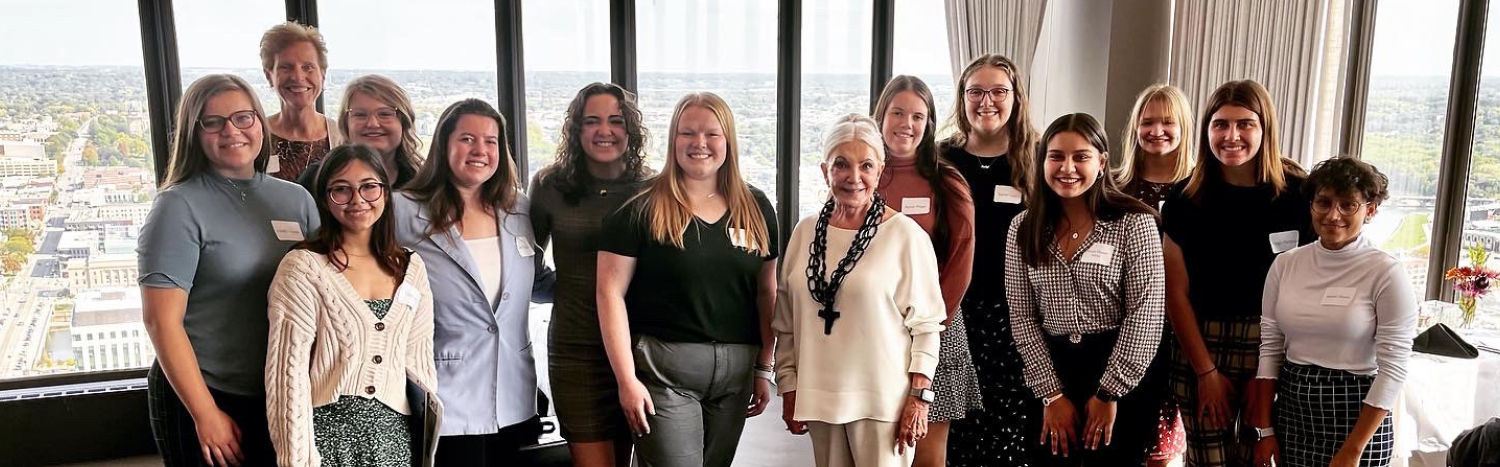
[1293, 47]
[1006, 27]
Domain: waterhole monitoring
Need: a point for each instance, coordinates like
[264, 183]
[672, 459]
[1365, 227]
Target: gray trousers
[701, 392]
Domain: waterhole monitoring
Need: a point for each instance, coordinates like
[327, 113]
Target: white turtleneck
[1349, 309]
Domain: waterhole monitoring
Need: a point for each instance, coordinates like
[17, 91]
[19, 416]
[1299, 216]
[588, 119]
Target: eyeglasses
[1347, 208]
[344, 194]
[977, 94]
[385, 115]
[243, 119]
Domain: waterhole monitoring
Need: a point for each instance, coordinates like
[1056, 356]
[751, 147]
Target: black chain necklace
[824, 291]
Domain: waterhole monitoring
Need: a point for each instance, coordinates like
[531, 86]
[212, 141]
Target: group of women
[996, 298]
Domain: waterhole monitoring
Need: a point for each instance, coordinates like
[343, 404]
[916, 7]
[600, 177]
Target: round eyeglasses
[344, 194]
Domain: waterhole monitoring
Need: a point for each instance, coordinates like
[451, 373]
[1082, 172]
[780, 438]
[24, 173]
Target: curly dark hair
[1347, 176]
[572, 175]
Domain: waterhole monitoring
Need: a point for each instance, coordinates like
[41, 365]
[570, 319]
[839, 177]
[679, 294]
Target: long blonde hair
[666, 208]
[187, 158]
[1178, 109]
[1023, 135]
[1271, 168]
[408, 155]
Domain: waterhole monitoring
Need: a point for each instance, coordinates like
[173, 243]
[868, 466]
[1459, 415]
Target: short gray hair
[854, 128]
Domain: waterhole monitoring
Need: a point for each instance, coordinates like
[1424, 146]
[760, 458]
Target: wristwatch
[1047, 401]
[1105, 396]
[923, 394]
[1263, 433]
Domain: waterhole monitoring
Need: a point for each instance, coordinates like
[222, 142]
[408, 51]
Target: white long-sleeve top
[1349, 309]
[326, 343]
[891, 313]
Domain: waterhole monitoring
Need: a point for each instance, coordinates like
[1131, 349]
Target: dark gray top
[213, 238]
[574, 234]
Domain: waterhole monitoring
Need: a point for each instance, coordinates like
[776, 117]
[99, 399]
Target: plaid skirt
[1315, 411]
[1234, 345]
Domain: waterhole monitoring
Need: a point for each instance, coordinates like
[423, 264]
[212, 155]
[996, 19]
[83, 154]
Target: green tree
[90, 155]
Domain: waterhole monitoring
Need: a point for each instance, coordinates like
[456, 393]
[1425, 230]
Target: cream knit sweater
[325, 343]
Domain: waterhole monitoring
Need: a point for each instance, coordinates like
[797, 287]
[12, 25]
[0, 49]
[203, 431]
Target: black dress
[1005, 433]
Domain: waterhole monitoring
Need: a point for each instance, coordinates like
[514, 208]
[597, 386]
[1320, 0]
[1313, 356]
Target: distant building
[98, 271]
[79, 244]
[22, 215]
[27, 166]
[107, 330]
[24, 149]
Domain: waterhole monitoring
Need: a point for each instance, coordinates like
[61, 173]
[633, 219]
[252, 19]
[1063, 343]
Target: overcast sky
[673, 35]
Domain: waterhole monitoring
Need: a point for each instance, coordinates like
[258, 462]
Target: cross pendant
[828, 315]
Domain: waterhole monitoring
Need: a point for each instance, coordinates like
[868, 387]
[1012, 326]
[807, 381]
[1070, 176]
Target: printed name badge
[287, 231]
[523, 244]
[408, 295]
[1338, 296]
[1100, 253]
[274, 166]
[1007, 194]
[914, 206]
[739, 238]
[1283, 241]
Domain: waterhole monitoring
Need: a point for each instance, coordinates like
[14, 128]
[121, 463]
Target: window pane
[835, 81]
[567, 47]
[1404, 119]
[921, 50]
[725, 47]
[436, 67]
[75, 102]
[211, 41]
[1482, 223]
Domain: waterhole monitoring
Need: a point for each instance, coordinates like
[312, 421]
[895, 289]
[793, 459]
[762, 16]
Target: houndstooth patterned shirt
[1116, 280]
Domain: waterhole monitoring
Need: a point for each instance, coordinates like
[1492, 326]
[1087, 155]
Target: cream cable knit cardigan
[325, 343]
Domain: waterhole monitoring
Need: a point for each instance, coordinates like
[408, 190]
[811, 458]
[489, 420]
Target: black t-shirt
[993, 211]
[1227, 241]
[703, 292]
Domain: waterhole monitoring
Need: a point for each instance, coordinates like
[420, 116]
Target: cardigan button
[369, 389]
[379, 326]
[377, 359]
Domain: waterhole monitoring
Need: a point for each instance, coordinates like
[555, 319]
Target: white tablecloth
[1442, 398]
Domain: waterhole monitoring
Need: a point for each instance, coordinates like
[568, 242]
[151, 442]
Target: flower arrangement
[1472, 282]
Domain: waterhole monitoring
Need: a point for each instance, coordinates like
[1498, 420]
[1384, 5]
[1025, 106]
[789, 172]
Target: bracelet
[763, 367]
[766, 375]
[1210, 370]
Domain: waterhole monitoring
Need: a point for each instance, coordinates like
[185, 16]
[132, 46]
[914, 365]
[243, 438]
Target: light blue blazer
[486, 374]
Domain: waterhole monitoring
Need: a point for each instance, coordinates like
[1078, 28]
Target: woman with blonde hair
[295, 60]
[1242, 206]
[993, 150]
[1158, 152]
[686, 285]
[1157, 145]
[208, 251]
[377, 113]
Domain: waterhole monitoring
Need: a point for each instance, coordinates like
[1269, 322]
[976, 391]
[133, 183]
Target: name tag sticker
[1283, 241]
[1338, 296]
[274, 165]
[1007, 194]
[913, 206]
[408, 295]
[287, 231]
[1100, 253]
[523, 245]
[739, 238]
